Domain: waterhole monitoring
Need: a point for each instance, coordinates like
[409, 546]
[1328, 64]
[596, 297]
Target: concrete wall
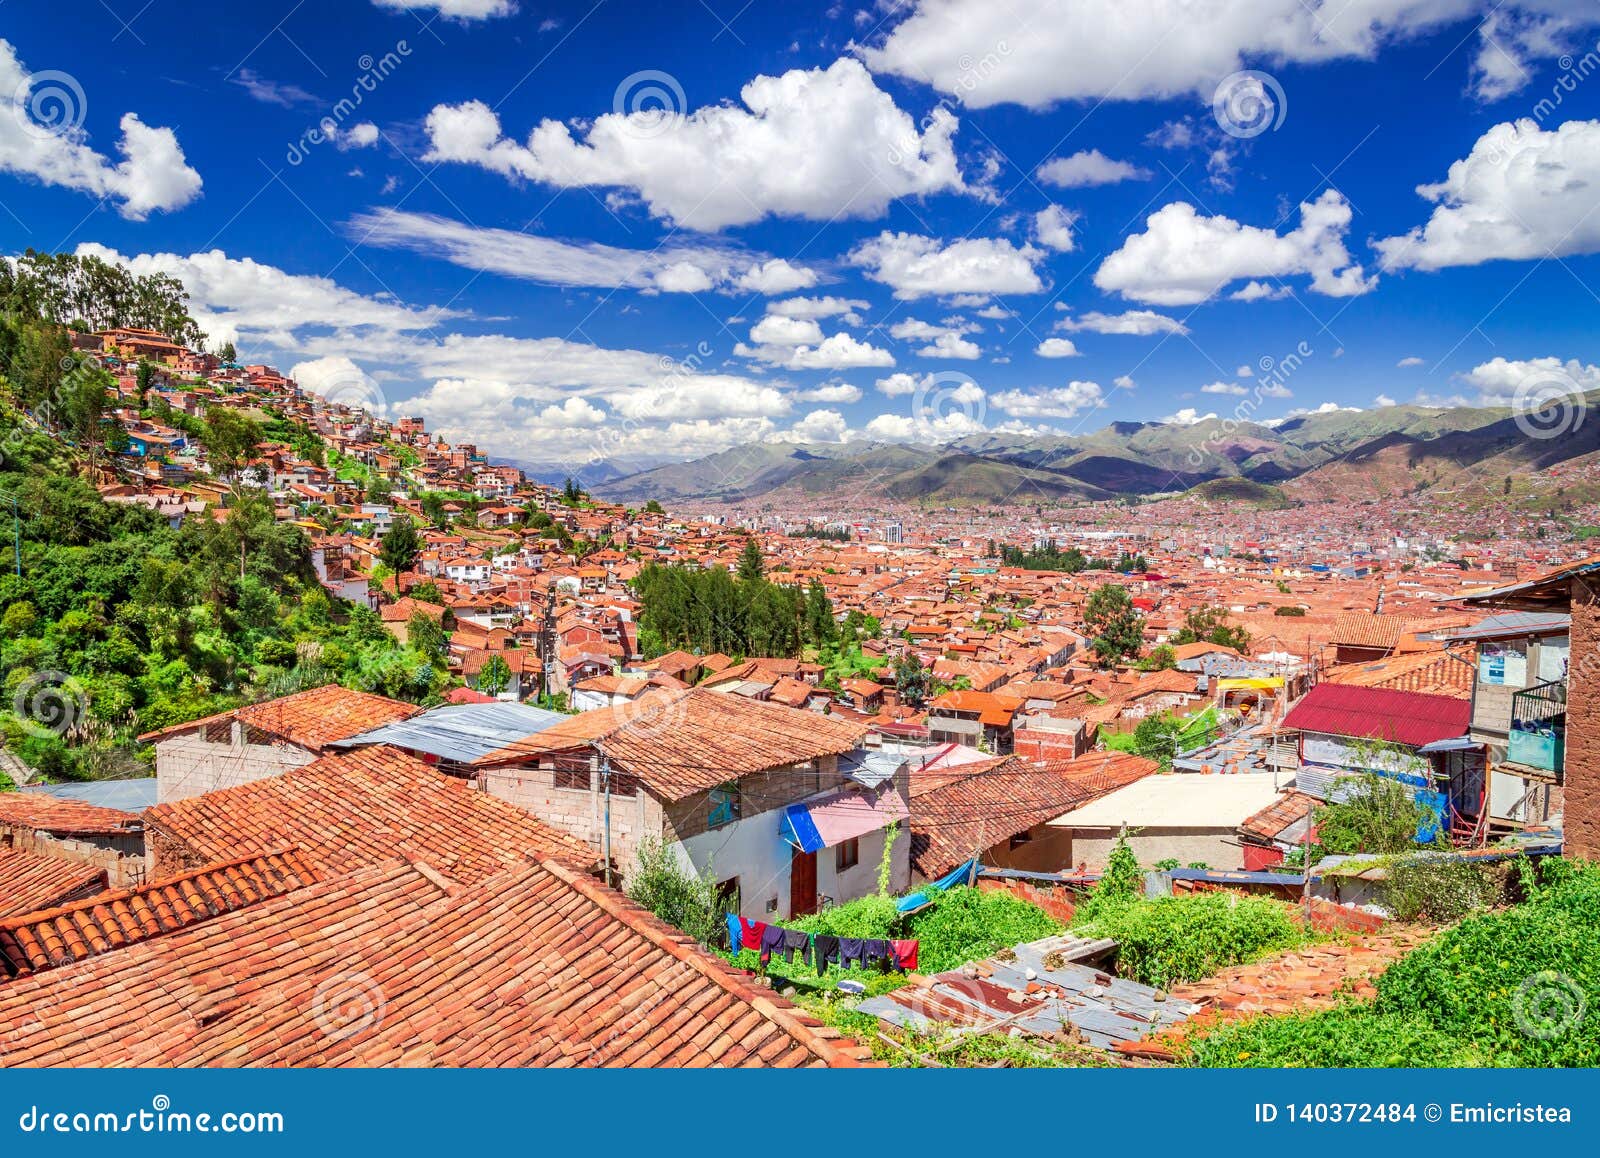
[188, 764]
[750, 848]
[582, 811]
[121, 857]
[1217, 848]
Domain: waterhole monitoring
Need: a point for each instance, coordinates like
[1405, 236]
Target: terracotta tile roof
[313, 718]
[1360, 629]
[395, 966]
[1288, 809]
[359, 808]
[63, 815]
[29, 881]
[956, 817]
[1432, 672]
[678, 743]
[49, 937]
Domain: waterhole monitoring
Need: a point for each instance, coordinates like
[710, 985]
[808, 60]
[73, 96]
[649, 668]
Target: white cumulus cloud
[813, 143]
[917, 266]
[1184, 258]
[41, 136]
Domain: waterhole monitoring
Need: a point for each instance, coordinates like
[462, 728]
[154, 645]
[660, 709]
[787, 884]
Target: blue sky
[642, 231]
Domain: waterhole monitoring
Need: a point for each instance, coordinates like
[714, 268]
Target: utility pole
[605, 784]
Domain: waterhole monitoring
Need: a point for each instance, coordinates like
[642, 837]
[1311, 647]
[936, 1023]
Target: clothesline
[822, 949]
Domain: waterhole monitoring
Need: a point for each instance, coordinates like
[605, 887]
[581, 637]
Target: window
[728, 895]
[847, 855]
[575, 778]
[725, 805]
[1020, 839]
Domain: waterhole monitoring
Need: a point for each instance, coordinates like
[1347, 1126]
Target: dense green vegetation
[118, 623]
[710, 610]
[1516, 987]
[1210, 625]
[1113, 624]
[1051, 557]
[1184, 937]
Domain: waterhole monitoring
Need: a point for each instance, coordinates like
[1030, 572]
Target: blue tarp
[799, 829]
[955, 876]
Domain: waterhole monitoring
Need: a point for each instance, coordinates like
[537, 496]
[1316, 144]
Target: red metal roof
[1409, 718]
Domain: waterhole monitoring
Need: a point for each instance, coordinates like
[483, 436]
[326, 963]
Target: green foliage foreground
[1517, 987]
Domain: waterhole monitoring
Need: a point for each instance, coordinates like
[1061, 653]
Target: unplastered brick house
[784, 808]
[262, 740]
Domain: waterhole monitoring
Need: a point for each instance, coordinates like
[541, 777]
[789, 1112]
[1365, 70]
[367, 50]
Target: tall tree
[751, 565]
[1113, 623]
[399, 547]
[230, 437]
[1210, 625]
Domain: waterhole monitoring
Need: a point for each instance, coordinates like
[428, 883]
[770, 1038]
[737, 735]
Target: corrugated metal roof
[461, 732]
[123, 795]
[1409, 718]
[1514, 623]
[1019, 990]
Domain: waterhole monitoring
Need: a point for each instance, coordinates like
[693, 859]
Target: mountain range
[1387, 451]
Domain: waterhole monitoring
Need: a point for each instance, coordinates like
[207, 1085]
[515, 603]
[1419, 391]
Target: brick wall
[1057, 902]
[1581, 793]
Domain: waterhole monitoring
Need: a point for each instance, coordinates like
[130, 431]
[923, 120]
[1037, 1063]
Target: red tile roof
[358, 808]
[63, 815]
[954, 817]
[313, 718]
[395, 966]
[1409, 718]
[29, 881]
[53, 936]
[679, 742]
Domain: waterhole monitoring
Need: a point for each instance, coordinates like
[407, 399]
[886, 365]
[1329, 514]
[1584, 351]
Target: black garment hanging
[826, 949]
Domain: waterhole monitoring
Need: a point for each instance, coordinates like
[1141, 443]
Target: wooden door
[802, 884]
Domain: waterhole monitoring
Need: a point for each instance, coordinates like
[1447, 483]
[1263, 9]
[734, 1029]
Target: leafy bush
[966, 924]
[1516, 987]
[661, 884]
[1440, 888]
[1165, 940]
[1376, 814]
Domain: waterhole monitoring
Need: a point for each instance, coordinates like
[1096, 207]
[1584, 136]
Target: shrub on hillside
[1164, 940]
